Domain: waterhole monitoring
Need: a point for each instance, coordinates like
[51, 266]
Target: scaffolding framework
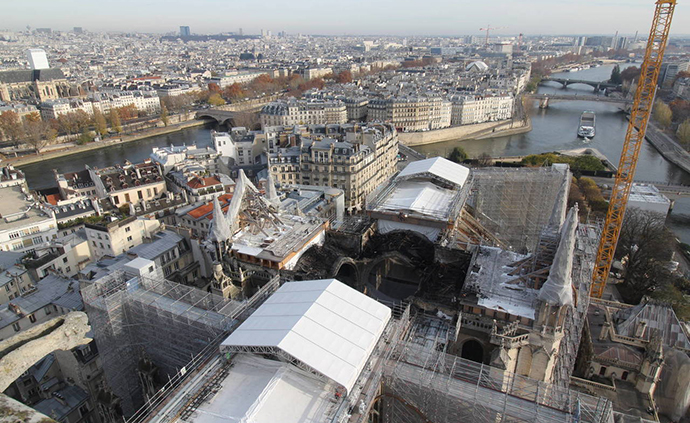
[168, 323]
[422, 383]
[516, 204]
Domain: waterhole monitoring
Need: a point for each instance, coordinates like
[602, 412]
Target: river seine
[553, 129]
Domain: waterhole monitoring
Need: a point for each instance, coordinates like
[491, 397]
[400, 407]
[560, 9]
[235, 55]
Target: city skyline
[403, 18]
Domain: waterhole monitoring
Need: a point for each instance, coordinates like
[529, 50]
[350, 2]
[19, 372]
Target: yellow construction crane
[634, 137]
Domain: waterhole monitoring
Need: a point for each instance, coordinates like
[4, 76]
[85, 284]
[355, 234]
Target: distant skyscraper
[78, 30]
[185, 32]
[37, 58]
[241, 31]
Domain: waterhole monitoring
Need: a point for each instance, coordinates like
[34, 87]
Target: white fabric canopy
[558, 288]
[422, 197]
[325, 324]
[440, 167]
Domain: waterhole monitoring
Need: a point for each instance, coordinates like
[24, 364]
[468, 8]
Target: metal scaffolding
[422, 383]
[515, 204]
[154, 319]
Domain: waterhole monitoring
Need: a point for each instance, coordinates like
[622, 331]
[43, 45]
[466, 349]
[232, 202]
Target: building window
[32, 318]
[624, 376]
[16, 327]
[602, 371]
[47, 310]
[140, 195]
[64, 259]
[116, 199]
[129, 238]
[127, 200]
[127, 229]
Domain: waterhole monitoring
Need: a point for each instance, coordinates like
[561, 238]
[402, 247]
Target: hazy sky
[351, 17]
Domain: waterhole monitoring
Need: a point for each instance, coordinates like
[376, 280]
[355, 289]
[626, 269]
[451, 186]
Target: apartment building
[24, 223]
[103, 102]
[301, 112]
[129, 184]
[118, 236]
[469, 109]
[410, 113]
[353, 158]
[236, 77]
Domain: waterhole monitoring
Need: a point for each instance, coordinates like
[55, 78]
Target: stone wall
[464, 132]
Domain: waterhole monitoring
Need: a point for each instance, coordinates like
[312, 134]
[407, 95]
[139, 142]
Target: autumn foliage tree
[680, 109]
[344, 77]
[115, 123]
[100, 123]
[11, 126]
[662, 114]
[630, 74]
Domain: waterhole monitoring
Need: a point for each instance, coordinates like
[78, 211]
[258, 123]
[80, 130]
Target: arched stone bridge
[220, 116]
[597, 85]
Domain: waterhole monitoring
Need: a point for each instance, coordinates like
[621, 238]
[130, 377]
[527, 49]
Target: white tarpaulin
[325, 324]
[386, 226]
[440, 167]
[558, 288]
[422, 197]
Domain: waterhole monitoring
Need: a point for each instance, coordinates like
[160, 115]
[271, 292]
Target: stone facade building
[411, 113]
[353, 158]
[298, 112]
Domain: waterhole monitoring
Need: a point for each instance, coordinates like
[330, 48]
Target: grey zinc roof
[27, 75]
[51, 290]
[659, 318]
[73, 397]
[165, 240]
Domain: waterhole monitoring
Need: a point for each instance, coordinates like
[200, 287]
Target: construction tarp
[386, 226]
[439, 167]
[324, 324]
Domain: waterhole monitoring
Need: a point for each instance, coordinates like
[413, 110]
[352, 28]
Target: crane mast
[634, 137]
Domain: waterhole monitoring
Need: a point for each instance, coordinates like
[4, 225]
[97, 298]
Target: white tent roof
[325, 324]
[440, 167]
[421, 197]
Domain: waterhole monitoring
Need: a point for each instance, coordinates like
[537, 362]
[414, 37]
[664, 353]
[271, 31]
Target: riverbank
[476, 131]
[667, 147]
[25, 160]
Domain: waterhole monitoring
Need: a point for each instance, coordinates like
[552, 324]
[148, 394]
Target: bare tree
[38, 134]
[645, 245]
[247, 120]
[485, 160]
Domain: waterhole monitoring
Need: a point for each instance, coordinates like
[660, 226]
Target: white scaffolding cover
[558, 288]
[421, 197]
[324, 324]
[220, 230]
[440, 167]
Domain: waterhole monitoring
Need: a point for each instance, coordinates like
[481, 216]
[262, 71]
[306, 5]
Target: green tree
[458, 155]
[164, 115]
[216, 100]
[115, 123]
[662, 114]
[683, 132]
[11, 126]
[100, 123]
[616, 77]
[85, 137]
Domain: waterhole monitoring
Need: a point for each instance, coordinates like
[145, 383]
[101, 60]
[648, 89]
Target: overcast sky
[348, 17]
